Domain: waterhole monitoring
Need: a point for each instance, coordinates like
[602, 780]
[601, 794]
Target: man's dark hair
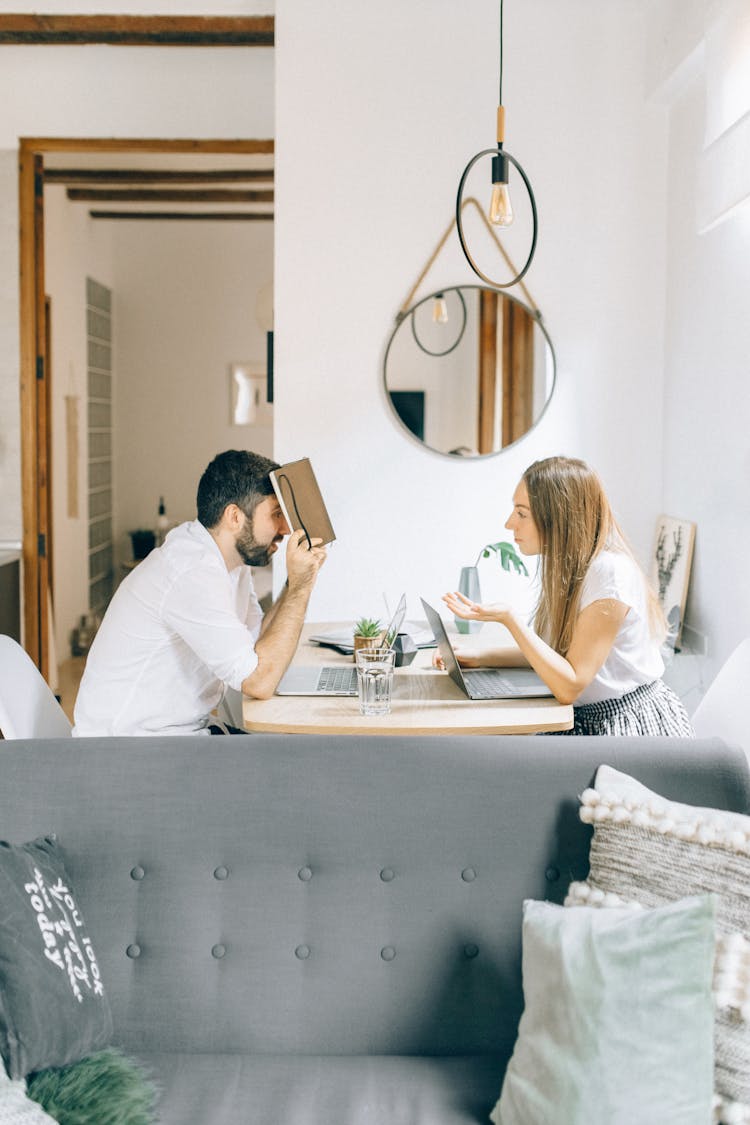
[234, 477]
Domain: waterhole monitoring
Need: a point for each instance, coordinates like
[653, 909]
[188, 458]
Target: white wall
[143, 7]
[707, 404]
[415, 90]
[10, 418]
[185, 301]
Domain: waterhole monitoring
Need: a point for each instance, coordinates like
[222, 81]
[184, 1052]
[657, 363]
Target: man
[186, 622]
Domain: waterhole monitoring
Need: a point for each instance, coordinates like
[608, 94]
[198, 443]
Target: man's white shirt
[179, 628]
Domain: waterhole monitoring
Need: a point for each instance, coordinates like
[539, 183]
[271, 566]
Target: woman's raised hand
[461, 606]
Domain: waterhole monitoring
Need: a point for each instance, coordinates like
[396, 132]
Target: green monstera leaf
[506, 554]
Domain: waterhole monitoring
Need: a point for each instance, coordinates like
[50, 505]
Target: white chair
[28, 709]
[722, 711]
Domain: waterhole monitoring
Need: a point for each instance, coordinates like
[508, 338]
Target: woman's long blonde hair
[575, 522]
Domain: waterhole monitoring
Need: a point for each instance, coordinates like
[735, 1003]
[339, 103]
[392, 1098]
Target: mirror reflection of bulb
[439, 309]
[501, 210]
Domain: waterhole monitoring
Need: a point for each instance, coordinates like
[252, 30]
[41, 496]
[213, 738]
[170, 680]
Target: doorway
[138, 186]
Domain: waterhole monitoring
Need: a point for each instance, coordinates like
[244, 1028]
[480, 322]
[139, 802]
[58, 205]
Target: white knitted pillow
[649, 851]
[16, 1108]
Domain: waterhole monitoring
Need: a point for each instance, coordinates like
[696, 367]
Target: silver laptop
[335, 679]
[484, 683]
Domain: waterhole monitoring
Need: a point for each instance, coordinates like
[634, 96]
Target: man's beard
[250, 550]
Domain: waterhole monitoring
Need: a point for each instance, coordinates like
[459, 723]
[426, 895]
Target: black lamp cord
[283, 477]
[500, 91]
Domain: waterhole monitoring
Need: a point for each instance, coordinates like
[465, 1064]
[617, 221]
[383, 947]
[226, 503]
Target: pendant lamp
[440, 317]
[500, 211]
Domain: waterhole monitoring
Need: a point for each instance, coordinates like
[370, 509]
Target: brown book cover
[301, 502]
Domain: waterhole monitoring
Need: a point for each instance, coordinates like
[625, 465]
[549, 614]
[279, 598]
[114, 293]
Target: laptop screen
[445, 648]
[394, 624]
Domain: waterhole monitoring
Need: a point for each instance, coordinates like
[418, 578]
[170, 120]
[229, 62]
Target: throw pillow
[618, 1017]
[107, 1088]
[53, 1009]
[649, 851]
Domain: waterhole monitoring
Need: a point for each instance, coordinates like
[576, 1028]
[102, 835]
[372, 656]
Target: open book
[301, 502]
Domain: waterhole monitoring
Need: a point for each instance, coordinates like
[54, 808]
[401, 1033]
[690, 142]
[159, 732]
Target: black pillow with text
[53, 1008]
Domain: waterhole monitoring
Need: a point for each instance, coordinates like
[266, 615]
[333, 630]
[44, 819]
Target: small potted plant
[366, 634]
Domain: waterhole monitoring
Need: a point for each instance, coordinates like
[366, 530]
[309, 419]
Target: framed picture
[248, 395]
[670, 571]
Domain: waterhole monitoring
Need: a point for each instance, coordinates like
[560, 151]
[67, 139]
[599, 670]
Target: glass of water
[375, 679]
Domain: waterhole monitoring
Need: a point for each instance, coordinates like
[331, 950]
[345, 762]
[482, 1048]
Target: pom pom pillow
[53, 1009]
[648, 851]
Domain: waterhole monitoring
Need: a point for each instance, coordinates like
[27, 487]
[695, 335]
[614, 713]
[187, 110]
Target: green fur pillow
[104, 1089]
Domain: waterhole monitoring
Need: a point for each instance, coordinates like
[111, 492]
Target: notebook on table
[484, 683]
[336, 679]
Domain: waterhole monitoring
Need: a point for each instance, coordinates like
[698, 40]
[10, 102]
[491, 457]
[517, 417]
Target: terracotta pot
[364, 642]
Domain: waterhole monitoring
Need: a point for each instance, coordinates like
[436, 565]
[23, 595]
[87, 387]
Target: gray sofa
[325, 931]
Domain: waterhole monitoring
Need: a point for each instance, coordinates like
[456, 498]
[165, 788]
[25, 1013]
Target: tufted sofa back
[350, 895]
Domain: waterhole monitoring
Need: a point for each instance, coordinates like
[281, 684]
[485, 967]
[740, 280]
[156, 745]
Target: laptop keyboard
[338, 680]
[488, 684]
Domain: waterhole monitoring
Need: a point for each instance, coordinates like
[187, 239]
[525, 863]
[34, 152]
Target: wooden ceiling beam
[137, 31]
[72, 176]
[172, 145]
[187, 216]
[166, 195]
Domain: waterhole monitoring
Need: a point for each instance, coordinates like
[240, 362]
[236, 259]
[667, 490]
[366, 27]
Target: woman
[598, 626]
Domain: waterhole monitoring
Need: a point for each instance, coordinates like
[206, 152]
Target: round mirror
[469, 370]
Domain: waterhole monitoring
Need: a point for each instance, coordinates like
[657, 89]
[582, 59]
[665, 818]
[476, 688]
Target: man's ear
[233, 517]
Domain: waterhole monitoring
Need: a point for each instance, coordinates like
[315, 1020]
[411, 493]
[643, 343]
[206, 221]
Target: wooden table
[425, 701]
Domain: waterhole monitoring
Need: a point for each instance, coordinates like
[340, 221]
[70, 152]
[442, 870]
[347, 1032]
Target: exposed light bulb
[501, 209]
[439, 309]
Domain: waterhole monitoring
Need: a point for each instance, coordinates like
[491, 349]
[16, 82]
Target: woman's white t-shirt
[635, 657]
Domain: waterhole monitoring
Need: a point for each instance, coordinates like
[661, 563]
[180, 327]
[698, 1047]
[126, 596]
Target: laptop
[484, 683]
[335, 679]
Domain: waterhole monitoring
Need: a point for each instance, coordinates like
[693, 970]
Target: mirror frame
[535, 315]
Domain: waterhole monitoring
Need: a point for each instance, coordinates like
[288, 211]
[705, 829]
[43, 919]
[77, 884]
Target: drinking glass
[375, 680]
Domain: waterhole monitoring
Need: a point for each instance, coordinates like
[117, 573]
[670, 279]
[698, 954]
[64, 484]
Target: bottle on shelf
[162, 523]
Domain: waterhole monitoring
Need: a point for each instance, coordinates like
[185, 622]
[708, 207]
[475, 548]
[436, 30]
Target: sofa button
[552, 874]
[137, 873]
[471, 950]
[302, 952]
[305, 874]
[218, 951]
[387, 874]
[387, 952]
[221, 873]
[133, 951]
[468, 875]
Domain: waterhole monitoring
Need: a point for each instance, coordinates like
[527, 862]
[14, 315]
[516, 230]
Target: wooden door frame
[35, 481]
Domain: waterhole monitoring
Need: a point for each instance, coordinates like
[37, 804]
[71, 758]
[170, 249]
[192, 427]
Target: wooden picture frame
[670, 572]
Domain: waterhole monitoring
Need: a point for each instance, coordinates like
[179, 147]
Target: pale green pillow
[618, 1019]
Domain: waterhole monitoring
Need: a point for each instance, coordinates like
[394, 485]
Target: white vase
[468, 585]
